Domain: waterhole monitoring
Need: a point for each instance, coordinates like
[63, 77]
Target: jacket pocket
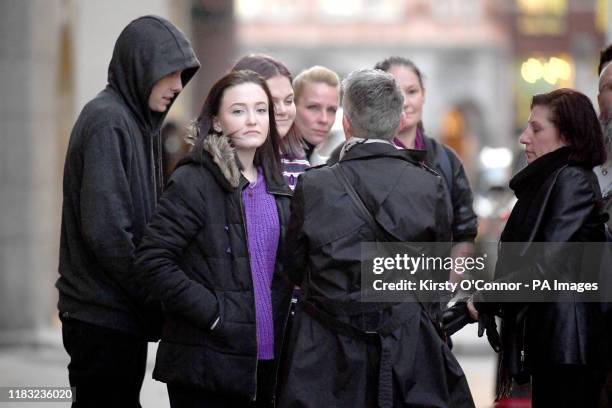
[235, 331]
[178, 330]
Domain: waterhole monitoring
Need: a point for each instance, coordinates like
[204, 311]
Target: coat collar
[222, 161]
[531, 178]
[533, 184]
[365, 150]
[219, 157]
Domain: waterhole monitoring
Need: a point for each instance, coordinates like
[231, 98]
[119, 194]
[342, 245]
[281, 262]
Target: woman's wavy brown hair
[267, 155]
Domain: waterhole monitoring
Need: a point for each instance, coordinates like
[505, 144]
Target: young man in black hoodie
[111, 182]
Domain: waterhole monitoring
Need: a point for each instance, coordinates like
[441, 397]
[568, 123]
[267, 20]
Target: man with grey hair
[344, 352]
[373, 105]
[604, 172]
[604, 177]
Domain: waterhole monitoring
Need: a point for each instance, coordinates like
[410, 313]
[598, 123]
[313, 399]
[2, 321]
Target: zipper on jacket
[291, 302]
[153, 171]
[277, 358]
[523, 352]
[158, 164]
[246, 235]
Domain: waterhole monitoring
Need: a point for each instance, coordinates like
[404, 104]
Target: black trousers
[188, 397]
[106, 366]
[566, 386]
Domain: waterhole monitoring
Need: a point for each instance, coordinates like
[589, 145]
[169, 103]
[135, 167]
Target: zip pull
[522, 356]
[159, 165]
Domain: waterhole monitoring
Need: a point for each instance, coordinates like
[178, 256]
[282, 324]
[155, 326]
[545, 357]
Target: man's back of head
[605, 56]
[373, 104]
[604, 98]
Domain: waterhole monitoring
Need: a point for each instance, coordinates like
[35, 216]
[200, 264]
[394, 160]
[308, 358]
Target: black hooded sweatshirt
[109, 179]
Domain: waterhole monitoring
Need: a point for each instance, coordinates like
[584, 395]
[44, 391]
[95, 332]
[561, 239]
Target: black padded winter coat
[194, 259]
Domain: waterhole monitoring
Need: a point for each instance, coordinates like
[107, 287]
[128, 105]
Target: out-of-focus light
[338, 7]
[551, 71]
[491, 157]
[531, 70]
[555, 7]
[483, 207]
[559, 68]
[556, 69]
[247, 9]
[548, 75]
[532, 6]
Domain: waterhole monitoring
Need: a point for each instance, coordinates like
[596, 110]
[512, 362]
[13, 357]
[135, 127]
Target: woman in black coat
[557, 345]
[436, 155]
[210, 254]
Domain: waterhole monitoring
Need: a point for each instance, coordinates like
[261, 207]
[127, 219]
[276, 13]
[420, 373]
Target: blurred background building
[482, 60]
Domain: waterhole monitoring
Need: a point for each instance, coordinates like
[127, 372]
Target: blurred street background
[482, 61]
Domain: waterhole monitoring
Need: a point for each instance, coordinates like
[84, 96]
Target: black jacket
[444, 160]
[109, 179]
[411, 365]
[194, 258]
[557, 202]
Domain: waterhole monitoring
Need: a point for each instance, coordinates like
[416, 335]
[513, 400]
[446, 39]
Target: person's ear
[217, 125]
[346, 125]
[600, 102]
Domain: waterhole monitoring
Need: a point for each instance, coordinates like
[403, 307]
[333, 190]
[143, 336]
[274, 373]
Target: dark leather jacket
[564, 207]
[445, 161]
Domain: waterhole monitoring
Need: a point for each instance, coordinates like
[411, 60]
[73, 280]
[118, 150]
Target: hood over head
[148, 49]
